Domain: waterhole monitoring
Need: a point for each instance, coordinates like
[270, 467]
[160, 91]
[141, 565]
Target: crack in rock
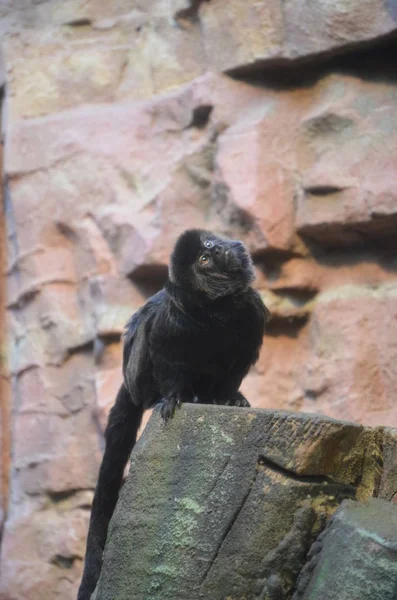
[228, 529]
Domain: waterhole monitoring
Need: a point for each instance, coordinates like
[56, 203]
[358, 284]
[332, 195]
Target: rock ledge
[226, 503]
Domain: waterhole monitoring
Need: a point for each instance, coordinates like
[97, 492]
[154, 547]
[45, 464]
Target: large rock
[356, 556]
[225, 502]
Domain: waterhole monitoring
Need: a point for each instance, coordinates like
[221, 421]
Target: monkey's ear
[184, 254]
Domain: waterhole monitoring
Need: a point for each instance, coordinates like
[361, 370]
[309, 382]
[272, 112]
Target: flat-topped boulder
[226, 502]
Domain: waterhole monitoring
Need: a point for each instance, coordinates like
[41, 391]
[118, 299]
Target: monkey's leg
[228, 391]
[171, 401]
[120, 435]
[168, 406]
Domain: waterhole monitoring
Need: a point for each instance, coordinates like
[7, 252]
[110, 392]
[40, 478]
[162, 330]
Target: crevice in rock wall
[323, 190]
[353, 256]
[200, 116]
[378, 233]
[298, 297]
[64, 562]
[370, 60]
[57, 497]
[190, 12]
[274, 257]
[23, 299]
[279, 326]
[149, 279]
[85, 347]
[288, 305]
[83, 22]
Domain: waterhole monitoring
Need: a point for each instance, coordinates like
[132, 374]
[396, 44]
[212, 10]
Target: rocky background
[126, 121]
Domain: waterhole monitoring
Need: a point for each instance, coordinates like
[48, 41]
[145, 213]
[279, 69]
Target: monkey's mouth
[234, 258]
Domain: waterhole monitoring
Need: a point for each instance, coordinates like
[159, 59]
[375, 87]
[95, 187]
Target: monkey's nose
[217, 250]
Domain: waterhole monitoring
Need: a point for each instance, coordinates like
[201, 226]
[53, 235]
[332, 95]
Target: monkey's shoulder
[146, 311]
[143, 318]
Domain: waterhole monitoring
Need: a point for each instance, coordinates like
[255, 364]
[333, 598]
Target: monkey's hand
[238, 400]
[168, 406]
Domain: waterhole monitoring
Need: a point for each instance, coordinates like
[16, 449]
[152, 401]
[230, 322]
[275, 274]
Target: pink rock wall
[128, 121]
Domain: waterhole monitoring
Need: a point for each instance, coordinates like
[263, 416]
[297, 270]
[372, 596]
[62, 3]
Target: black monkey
[194, 341]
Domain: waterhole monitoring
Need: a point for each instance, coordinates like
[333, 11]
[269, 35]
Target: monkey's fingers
[241, 400]
[237, 399]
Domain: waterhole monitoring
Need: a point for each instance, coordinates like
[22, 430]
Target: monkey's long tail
[120, 435]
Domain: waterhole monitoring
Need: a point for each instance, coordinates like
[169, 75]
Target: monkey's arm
[124, 420]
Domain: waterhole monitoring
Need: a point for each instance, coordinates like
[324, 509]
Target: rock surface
[72, 51]
[126, 122]
[356, 557]
[225, 503]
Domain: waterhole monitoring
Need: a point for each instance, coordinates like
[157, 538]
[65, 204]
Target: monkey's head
[214, 266]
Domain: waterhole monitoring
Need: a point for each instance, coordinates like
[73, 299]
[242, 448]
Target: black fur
[194, 341]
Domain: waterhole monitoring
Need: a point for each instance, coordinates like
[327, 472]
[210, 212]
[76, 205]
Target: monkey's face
[210, 264]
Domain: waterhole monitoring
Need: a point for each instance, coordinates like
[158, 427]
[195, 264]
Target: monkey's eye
[208, 244]
[204, 258]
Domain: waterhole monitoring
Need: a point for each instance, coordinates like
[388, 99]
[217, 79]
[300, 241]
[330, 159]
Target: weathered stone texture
[225, 503]
[64, 53]
[124, 124]
[388, 484]
[356, 557]
[5, 396]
